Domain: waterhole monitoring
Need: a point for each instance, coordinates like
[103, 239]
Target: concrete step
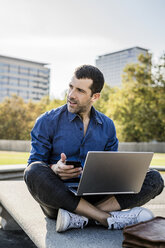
[11, 172]
[12, 167]
[18, 202]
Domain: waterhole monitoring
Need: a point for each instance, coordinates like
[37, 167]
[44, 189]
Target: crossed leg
[99, 212]
[51, 193]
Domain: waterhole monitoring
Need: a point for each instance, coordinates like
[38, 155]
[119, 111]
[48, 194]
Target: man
[69, 132]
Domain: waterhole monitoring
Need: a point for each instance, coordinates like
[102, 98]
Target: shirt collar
[94, 114]
[71, 116]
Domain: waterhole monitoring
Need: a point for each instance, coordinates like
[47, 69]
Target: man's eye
[80, 90]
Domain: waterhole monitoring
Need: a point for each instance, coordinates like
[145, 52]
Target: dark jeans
[51, 193]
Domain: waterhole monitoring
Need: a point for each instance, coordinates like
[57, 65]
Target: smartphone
[75, 163]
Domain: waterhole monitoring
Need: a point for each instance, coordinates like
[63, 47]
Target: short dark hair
[91, 72]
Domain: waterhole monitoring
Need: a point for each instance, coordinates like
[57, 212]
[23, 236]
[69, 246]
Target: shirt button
[81, 128]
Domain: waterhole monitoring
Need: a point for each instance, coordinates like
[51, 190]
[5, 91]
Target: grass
[13, 157]
[22, 157]
[158, 159]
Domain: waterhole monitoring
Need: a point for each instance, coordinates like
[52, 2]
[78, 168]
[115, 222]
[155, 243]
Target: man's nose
[72, 93]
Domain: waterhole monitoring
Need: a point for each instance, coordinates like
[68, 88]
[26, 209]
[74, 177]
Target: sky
[68, 33]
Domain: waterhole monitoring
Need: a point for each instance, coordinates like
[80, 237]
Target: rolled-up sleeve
[41, 141]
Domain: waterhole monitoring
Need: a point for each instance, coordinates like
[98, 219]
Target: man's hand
[65, 171]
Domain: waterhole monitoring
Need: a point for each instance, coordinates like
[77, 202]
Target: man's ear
[95, 97]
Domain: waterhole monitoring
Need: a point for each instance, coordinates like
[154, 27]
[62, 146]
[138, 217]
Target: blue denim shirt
[60, 131]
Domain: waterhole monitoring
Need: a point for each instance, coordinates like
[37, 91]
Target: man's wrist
[53, 167]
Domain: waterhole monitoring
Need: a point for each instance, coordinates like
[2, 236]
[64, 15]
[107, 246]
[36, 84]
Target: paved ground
[16, 239]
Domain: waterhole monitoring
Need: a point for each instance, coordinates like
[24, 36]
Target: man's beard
[77, 109]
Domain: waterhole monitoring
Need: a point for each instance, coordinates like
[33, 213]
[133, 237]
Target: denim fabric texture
[60, 131]
[51, 193]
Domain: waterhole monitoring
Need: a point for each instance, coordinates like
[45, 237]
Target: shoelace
[120, 221]
[77, 221]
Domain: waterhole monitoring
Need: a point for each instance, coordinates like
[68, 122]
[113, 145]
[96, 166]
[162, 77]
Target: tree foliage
[18, 117]
[137, 108]
[101, 104]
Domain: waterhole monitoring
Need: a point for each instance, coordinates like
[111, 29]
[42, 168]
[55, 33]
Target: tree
[18, 118]
[13, 118]
[138, 107]
[101, 104]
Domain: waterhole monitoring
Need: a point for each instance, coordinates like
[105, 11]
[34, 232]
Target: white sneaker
[67, 220]
[120, 219]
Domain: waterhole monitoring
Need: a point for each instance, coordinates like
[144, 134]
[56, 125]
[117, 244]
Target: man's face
[79, 98]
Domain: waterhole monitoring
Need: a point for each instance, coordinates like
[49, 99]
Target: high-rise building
[27, 79]
[112, 64]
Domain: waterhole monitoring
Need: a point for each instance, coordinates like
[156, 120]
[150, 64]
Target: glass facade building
[27, 79]
[112, 64]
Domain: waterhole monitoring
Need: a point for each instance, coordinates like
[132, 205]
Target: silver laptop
[112, 173]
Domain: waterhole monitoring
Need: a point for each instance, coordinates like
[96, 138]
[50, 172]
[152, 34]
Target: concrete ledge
[157, 167]
[16, 199]
[11, 176]
[12, 168]
[15, 172]
[11, 172]
[25, 145]
[15, 145]
[157, 147]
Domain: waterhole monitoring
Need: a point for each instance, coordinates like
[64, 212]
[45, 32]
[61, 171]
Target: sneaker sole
[59, 223]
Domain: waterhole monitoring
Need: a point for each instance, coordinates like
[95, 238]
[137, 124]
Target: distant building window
[4, 67]
[23, 70]
[33, 71]
[23, 77]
